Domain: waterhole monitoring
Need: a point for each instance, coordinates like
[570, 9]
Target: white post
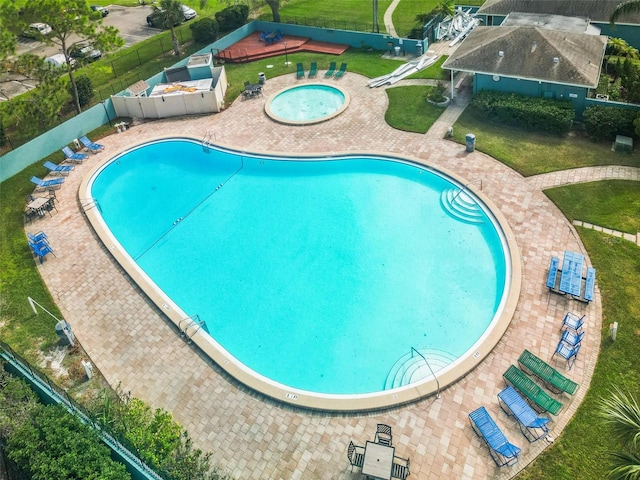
[613, 330]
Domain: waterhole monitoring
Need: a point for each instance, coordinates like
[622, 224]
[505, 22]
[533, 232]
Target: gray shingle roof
[596, 10]
[529, 53]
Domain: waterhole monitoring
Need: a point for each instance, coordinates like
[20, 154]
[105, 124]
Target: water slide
[403, 71]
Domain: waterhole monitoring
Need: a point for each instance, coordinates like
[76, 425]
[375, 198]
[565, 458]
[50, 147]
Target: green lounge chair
[300, 70]
[314, 70]
[531, 391]
[340, 73]
[554, 380]
[331, 71]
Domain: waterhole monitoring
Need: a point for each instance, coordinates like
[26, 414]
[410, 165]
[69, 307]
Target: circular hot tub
[307, 104]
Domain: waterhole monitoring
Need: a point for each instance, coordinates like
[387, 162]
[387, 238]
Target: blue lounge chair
[300, 71]
[573, 322]
[531, 425]
[331, 71]
[41, 250]
[37, 238]
[45, 184]
[58, 169]
[313, 71]
[340, 73]
[502, 452]
[89, 145]
[74, 157]
[571, 338]
[569, 353]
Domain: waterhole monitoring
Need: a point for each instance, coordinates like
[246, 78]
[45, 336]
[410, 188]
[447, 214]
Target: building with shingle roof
[598, 12]
[531, 60]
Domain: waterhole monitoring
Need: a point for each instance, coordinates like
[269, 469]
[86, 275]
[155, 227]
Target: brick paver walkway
[253, 437]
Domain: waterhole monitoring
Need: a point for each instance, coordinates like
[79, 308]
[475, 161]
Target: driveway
[130, 21]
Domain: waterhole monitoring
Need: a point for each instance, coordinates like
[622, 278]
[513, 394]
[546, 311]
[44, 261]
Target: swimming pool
[307, 104]
[273, 254]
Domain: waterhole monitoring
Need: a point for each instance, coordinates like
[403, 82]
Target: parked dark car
[85, 52]
[99, 8]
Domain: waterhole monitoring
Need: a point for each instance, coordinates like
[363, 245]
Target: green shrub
[529, 113]
[204, 31]
[604, 123]
[232, 17]
[55, 444]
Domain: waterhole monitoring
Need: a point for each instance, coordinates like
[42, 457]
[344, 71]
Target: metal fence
[55, 394]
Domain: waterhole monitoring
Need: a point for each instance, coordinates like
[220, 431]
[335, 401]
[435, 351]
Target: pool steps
[461, 205]
[412, 368]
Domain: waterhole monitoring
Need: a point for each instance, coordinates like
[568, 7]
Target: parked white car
[36, 30]
[58, 60]
[189, 13]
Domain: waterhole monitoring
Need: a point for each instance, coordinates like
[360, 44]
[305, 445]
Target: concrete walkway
[254, 437]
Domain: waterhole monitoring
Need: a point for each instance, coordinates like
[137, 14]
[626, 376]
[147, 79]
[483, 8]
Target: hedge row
[604, 123]
[529, 113]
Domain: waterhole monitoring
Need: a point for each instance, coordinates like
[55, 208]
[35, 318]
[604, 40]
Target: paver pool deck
[253, 437]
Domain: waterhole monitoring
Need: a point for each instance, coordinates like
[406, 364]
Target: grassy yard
[347, 12]
[409, 111]
[531, 153]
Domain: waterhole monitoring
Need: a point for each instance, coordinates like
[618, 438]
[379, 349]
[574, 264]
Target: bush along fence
[528, 113]
[50, 393]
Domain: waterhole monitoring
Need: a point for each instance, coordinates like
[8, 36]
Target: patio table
[378, 461]
[38, 205]
[571, 278]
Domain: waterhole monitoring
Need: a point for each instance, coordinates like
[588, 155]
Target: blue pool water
[318, 275]
[307, 102]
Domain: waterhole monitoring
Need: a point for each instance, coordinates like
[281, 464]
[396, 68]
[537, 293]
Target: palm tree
[619, 47]
[622, 413]
[170, 14]
[629, 6]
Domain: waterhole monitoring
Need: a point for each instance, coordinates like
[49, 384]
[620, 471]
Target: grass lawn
[434, 72]
[369, 64]
[612, 203]
[534, 153]
[409, 111]
[347, 12]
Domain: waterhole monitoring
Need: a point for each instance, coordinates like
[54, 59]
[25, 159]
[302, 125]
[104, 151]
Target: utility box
[470, 140]
[623, 144]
